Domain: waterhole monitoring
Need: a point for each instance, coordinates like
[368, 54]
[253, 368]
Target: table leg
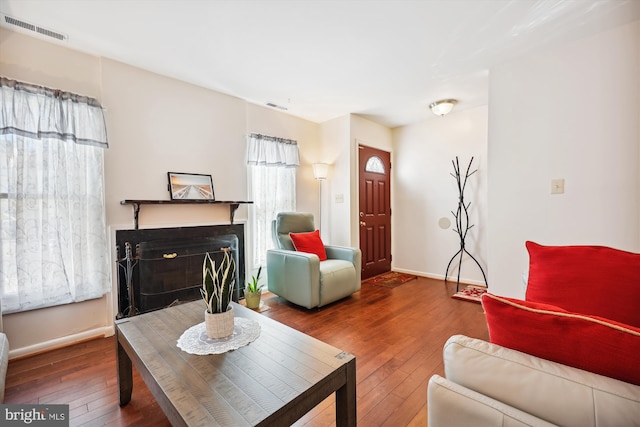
[125, 374]
[346, 414]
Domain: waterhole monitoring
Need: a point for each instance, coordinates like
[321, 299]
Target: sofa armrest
[295, 276]
[557, 393]
[353, 255]
[450, 404]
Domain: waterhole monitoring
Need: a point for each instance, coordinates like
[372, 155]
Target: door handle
[363, 224]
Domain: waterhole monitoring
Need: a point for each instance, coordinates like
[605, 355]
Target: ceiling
[385, 60]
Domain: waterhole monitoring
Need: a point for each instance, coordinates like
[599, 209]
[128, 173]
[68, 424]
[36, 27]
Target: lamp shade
[320, 170]
[443, 107]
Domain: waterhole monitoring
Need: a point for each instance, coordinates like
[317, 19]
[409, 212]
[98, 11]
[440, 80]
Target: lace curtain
[272, 169]
[53, 241]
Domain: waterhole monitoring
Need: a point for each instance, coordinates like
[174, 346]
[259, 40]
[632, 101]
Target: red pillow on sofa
[593, 280]
[587, 342]
[310, 243]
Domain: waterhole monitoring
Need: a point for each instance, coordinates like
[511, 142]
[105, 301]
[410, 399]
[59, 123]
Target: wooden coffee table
[273, 381]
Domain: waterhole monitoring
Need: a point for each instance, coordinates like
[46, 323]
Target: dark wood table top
[272, 381]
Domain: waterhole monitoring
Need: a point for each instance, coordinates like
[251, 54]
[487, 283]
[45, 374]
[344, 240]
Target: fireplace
[161, 267]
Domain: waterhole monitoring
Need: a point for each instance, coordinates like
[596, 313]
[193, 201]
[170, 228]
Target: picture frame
[190, 186]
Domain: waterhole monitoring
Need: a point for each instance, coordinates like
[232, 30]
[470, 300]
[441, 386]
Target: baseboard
[42, 347]
[441, 277]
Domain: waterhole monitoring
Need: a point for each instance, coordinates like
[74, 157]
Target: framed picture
[190, 186]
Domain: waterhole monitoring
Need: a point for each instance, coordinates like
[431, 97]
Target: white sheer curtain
[272, 169]
[53, 242]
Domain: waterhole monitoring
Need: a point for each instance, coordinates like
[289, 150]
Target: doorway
[374, 180]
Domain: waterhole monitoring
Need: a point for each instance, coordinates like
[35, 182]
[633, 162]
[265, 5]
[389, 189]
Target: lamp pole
[320, 172]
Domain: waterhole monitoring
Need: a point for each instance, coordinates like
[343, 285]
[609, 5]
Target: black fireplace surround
[163, 266]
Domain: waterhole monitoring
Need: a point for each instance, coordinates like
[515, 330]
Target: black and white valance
[37, 112]
[271, 151]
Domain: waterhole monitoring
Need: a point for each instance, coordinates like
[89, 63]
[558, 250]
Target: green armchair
[300, 277]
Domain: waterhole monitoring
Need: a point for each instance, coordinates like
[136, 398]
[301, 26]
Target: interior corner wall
[336, 195]
[425, 192]
[571, 113]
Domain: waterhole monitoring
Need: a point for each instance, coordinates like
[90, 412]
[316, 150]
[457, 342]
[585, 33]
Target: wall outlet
[557, 186]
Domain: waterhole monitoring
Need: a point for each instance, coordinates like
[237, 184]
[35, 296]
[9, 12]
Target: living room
[567, 111]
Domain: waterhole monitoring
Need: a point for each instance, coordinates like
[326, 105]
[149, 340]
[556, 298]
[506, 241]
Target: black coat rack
[462, 221]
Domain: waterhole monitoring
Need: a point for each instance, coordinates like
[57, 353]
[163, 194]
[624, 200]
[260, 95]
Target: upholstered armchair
[301, 277]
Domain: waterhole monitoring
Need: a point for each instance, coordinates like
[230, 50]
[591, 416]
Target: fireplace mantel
[233, 205]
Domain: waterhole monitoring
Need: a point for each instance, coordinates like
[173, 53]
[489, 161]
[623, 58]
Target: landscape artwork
[190, 186]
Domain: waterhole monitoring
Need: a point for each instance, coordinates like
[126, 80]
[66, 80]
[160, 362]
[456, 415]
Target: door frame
[356, 209]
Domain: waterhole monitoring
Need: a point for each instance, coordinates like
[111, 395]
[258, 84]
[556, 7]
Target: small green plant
[253, 285]
[218, 284]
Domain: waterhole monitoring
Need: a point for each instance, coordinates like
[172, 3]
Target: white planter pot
[219, 325]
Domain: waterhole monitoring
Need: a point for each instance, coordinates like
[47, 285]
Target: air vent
[280, 107]
[35, 28]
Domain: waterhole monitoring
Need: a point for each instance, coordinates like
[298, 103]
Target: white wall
[340, 139]
[336, 151]
[571, 112]
[155, 125]
[424, 191]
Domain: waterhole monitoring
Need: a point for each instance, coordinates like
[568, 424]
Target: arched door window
[375, 165]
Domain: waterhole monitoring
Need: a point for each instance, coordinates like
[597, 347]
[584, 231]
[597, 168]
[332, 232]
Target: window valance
[271, 151]
[51, 113]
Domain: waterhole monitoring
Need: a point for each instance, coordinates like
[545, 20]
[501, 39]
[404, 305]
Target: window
[375, 165]
[272, 177]
[52, 217]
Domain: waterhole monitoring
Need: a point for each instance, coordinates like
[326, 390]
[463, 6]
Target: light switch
[339, 198]
[557, 186]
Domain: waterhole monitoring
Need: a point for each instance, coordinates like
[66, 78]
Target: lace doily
[195, 340]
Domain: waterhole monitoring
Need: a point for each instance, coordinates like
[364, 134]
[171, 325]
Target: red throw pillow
[594, 280]
[587, 342]
[310, 243]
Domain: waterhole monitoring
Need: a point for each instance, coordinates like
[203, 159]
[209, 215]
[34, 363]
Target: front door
[375, 210]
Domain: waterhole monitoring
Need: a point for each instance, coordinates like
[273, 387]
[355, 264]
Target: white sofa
[490, 385]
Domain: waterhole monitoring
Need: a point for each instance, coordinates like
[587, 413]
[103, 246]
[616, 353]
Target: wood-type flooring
[396, 335]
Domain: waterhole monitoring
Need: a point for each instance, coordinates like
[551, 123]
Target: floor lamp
[320, 172]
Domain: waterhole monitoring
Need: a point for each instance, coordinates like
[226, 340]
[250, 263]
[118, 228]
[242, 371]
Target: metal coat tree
[462, 220]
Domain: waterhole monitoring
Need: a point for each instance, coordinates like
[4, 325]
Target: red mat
[391, 279]
[471, 293]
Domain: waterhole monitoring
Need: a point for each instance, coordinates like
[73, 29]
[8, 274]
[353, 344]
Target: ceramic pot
[219, 325]
[252, 299]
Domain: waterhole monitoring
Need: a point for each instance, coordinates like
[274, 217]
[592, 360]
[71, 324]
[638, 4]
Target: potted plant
[217, 291]
[253, 291]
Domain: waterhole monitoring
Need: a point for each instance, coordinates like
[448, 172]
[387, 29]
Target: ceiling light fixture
[442, 107]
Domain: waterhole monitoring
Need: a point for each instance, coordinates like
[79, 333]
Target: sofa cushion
[560, 394]
[594, 280]
[310, 243]
[587, 342]
[450, 404]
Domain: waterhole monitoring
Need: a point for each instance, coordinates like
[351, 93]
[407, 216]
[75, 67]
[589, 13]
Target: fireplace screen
[171, 270]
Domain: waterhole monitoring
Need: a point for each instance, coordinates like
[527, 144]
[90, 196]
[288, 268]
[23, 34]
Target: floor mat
[471, 293]
[390, 279]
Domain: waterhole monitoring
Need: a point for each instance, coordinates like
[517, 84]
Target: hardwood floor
[396, 335]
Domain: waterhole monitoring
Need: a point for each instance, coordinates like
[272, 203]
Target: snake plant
[218, 284]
